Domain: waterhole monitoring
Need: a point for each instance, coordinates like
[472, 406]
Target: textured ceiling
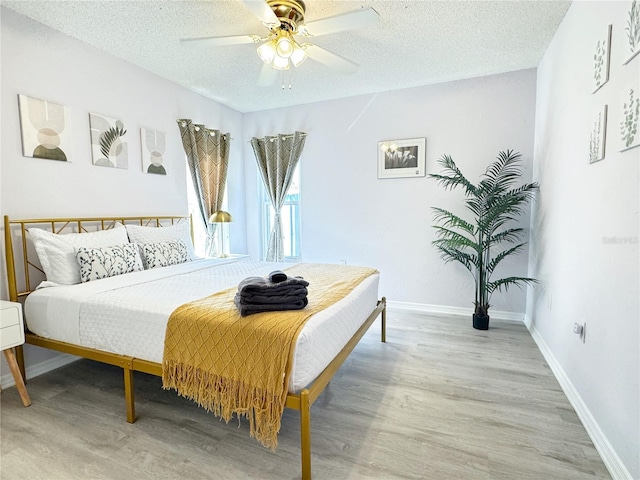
[415, 43]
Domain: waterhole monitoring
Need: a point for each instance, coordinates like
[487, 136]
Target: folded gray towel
[250, 308]
[277, 276]
[258, 294]
[264, 286]
[290, 296]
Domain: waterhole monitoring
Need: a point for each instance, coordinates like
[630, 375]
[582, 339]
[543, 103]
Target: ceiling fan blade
[223, 41]
[330, 59]
[268, 76]
[262, 10]
[339, 23]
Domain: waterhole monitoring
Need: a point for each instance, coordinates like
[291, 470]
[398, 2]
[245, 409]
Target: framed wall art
[598, 136]
[152, 143]
[45, 129]
[632, 31]
[402, 158]
[630, 123]
[108, 142]
[601, 61]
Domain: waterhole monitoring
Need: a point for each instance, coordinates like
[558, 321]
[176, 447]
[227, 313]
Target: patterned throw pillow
[164, 254]
[57, 252]
[179, 231]
[97, 263]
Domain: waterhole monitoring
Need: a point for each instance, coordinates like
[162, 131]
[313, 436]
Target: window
[289, 216]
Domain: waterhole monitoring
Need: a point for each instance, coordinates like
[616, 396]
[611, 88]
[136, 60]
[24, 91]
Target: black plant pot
[481, 322]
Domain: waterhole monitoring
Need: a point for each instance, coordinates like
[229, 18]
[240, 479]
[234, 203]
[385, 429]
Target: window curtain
[208, 158]
[277, 158]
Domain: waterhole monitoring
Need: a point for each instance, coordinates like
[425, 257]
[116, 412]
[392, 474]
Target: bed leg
[17, 376]
[305, 434]
[384, 320]
[128, 395]
[20, 360]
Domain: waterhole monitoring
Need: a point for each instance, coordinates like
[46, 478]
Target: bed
[89, 319]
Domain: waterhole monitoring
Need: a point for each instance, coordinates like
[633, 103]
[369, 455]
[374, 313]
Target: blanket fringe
[225, 397]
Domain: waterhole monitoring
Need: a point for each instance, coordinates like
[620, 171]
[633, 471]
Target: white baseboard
[45, 366]
[610, 458]
[447, 310]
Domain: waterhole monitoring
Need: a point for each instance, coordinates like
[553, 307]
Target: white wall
[43, 63]
[349, 214]
[585, 277]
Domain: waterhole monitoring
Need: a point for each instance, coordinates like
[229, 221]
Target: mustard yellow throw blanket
[230, 364]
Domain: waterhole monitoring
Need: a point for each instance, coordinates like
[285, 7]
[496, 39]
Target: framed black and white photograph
[401, 158]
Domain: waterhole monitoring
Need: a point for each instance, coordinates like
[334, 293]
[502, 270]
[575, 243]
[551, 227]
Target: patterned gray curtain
[208, 157]
[277, 158]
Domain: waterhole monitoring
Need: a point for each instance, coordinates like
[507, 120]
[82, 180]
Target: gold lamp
[223, 218]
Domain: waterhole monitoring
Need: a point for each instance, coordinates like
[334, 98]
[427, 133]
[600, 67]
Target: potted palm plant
[483, 242]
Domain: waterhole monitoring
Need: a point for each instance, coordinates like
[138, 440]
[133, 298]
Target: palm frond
[511, 235]
[507, 207]
[503, 172]
[451, 255]
[448, 219]
[456, 241]
[502, 255]
[455, 178]
[505, 283]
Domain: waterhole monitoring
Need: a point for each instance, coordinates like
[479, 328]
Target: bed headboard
[23, 268]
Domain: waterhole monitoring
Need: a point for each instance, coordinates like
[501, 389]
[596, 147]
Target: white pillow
[57, 252]
[97, 263]
[164, 254]
[179, 231]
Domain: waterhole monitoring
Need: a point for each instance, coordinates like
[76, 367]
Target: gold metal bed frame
[300, 401]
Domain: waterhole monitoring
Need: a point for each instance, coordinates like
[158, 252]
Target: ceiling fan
[284, 46]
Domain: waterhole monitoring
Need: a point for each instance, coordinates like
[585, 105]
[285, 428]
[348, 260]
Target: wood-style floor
[439, 400]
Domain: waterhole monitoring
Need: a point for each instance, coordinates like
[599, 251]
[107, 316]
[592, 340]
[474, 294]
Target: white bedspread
[128, 314]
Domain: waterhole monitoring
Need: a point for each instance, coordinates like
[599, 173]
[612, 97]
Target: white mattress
[128, 314]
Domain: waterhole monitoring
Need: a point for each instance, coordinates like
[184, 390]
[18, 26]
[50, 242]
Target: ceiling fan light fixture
[267, 51]
[280, 63]
[299, 55]
[285, 46]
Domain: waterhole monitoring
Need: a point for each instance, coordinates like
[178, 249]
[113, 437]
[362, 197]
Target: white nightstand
[12, 335]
